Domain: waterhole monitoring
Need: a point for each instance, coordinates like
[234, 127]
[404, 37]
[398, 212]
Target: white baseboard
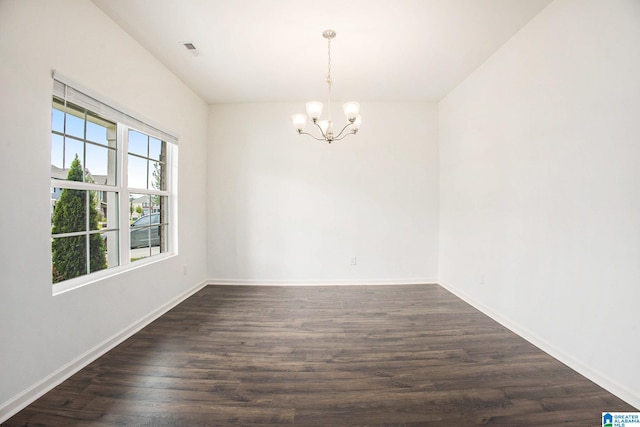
[28, 396]
[597, 377]
[251, 282]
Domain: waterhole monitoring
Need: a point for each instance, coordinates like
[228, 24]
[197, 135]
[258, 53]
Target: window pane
[57, 152]
[108, 210]
[139, 206]
[156, 149]
[74, 125]
[141, 239]
[143, 220]
[97, 252]
[161, 205]
[147, 235]
[55, 195]
[137, 172]
[57, 116]
[154, 218]
[70, 211]
[69, 258]
[154, 232]
[164, 240]
[157, 175]
[96, 164]
[138, 143]
[101, 165]
[148, 241]
[95, 214]
[103, 210]
[139, 236]
[107, 213]
[100, 130]
[96, 133]
[72, 149]
[111, 243]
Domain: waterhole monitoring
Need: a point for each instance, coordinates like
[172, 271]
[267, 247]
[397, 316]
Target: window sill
[79, 282]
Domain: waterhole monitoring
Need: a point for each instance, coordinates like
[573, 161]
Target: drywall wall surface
[42, 334]
[284, 208]
[540, 187]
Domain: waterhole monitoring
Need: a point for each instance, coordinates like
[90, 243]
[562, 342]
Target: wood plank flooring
[324, 356]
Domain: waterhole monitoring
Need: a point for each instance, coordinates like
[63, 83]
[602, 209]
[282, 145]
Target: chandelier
[314, 110]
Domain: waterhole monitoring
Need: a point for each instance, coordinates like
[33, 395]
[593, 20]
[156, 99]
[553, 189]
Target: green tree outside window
[69, 254]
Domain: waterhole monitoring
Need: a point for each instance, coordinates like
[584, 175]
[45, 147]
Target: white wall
[40, 333]
[540, 187]
[285, 208]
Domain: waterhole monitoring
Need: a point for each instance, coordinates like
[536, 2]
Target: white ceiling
[273, 50]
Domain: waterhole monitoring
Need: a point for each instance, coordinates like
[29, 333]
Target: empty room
[285, 212]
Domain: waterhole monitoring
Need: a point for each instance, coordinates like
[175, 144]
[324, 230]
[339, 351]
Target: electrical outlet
[185, 270]
[353, 260]
[482, 278]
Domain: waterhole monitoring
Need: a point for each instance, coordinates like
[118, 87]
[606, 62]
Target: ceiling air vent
[191, 48]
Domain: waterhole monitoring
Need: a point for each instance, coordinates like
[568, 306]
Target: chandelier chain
[329, 81]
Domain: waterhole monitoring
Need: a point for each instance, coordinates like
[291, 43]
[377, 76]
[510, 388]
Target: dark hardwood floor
[324, 356]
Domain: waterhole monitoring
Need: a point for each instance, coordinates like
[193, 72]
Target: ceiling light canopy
[314, 110]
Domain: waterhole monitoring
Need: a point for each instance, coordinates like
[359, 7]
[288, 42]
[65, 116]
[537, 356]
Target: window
[84, 196]
[111, 188]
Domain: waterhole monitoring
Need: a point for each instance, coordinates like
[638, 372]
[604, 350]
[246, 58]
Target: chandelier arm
[312, 136]
[324, 135]
[337, 138]
[344, 136]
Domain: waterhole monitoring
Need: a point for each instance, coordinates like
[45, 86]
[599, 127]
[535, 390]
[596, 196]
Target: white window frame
[75, 94]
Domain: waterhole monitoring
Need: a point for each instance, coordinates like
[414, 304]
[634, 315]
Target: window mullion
[123, 147]
[149, 191]
[87, 240]
[64, 129]
[69, 234]
[78, 185]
